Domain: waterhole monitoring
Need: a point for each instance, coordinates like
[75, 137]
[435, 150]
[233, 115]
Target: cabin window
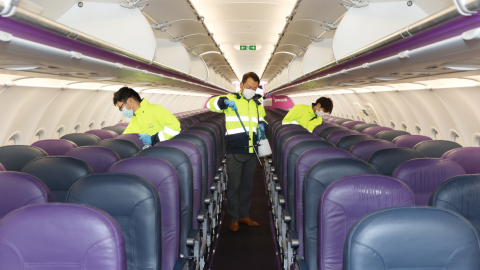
[102, 124]
[59, 133]
[39, 135]
[76, 129]
[363, 119]
[454, 136]
[353, 118]
[358, 117]
[435, 134]
[11, 141]
[91, 126]
[392, 124]
[476, 140]
[14, 139]
[375, 122]
[404, 127]
[418, 130]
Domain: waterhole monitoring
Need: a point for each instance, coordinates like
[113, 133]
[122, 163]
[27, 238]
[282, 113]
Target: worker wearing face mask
[152, 122]
[241, 160]
[309, 116]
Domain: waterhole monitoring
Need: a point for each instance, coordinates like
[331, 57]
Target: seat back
[117, 129]
[351, 124]
[348, 141]
[135, 138]
[344, 202]
[14, 157]
[326, 132]
[317, 179]
[103, 134]
[409, 141]
[123, 148]
[217, 139]
[282, 130]
[181, 162]
[424, 175]
[362, 127]
[419, 241]
[20, 189]
[385, 161]
[373, 131]
[334, 137]
[196, 160]
[436, 148]
[57, 236]
[467, 157]
[100, 159]
[208, 142]
[134, 203]
[460, 194]
[164, 178]
[321, 127]
[214, 140]
[341, 121]
[58, 173]
[82, 139]
[390, 135]
[122, 124]
[2, 169]
[55, 147]
[364, 149]
[281, 147]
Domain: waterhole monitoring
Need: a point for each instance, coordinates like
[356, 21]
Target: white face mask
[320, 113]
[248, 93]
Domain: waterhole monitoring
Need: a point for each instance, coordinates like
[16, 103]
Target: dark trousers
[240, 184]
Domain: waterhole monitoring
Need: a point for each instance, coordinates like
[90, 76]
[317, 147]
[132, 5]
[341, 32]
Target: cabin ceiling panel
[186, 27]
[169, 10]
[203, 48]
[196, 39]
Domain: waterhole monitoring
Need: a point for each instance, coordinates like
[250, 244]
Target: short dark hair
[252, 75]
[124, 93]
[326, 103]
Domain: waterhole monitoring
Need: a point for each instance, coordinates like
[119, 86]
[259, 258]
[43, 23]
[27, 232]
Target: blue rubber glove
[146, 139]
[261, 126]
[231, 104]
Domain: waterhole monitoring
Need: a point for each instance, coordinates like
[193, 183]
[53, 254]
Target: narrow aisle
[251, 247]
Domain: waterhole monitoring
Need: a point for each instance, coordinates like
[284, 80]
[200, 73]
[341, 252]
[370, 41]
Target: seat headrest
[348, 141]
[341, 121]
[467, 157]
[19, 189]
[122, 124]
[323, 126]
[364, 149]
[134, 203]
[436, 148]
[390, 135]
[351, 124]
[58, 173]
[385, 161]
[362, 127]
[102, 133]
[135, 138]
[373, 131]
[334, 137]
[82, 139]
[100, 159]
[324, 134]
[61, 236]
[14, 157]
[123, 148]
[55, 147]
[419, 241]
[117, 129]
[409, 141]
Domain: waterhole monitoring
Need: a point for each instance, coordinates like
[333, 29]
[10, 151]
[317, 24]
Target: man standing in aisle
[309, 116]
[241, 159]
[152, 122]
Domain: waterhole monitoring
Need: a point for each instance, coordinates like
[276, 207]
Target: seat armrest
[216, 178]
[281, 200]
[270, 161]
[220, 169]
[213, 187]
[224, 161]
[278, 188]
[208, 199]
[202, 215]
[301, 265]
[193, 237]
[274, 178]
[272, 169]
[292, 237]
[286, 216]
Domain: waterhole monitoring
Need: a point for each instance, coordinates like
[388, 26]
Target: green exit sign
[252, 48]
[243, 48]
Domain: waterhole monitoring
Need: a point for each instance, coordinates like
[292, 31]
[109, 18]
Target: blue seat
[15, 157]
[385, 161]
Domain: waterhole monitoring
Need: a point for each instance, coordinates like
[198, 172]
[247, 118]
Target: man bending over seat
[152, 122]
[309, 116]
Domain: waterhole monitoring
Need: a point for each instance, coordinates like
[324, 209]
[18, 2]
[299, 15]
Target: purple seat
[217, 140]
[424, 175]
[385, 161]
[342, 204]
[364, 149]
[165, 180]
[117, 129]
[390, 135]
[208, 141]
[332, 119]
[135, 138]
[100, 159]
[352, 124]
[122, 124]
[321, 127]
[373, 131]
[55, 147]
[277, 140]
[2, 169]
[286, 152]
[20, 189]
[348, 141]
[15, 157]
[467, 157]
[103, 134]
[196, 159]
[326, 132]
[341, 121]
[334, 137]
[58, 236]
[362, 127]
[409, 141]
[307, 160]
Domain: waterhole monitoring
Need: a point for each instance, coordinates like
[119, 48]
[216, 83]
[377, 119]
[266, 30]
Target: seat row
[321, 183]
[169, 195]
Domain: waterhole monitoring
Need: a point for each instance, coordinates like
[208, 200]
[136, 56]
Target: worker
[241, 160]
[152, 122]
[309, 116]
